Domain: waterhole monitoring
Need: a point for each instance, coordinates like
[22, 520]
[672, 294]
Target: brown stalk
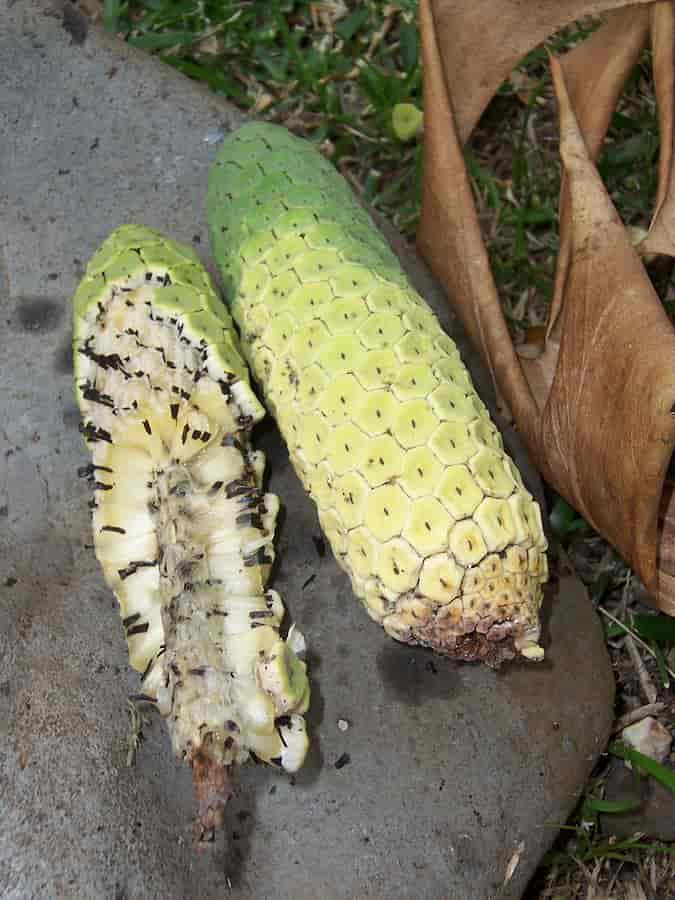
[213, 787]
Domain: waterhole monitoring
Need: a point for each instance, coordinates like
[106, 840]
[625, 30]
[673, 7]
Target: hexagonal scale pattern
[415, 493]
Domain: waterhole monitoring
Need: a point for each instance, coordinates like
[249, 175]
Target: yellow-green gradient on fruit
[182, 527]
[423, 509]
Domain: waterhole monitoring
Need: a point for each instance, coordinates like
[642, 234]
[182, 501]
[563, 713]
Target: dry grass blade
[646, 683]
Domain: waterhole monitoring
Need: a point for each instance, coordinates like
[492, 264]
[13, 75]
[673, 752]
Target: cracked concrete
[452, 769]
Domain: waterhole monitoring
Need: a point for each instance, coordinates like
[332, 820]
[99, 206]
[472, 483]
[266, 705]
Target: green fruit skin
[423, 508]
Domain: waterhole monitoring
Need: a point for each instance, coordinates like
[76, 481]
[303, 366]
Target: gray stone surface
[452, 770]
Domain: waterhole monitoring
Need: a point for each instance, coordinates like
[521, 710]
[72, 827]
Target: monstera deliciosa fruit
[422, 507]
[182, 528]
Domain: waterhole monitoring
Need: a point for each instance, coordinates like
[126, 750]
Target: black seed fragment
[261, 614]
[206, 436]
[198, 670]
[91, 433]
[259, 558]
[134, 566]
[275, 760]
[115, 529]
[100, 486]
[138, 629]
[215, 487]
[196, 435]
[237, 488]
[186, 431]
[342, 761]
[146, 425]
[308, 581]
[96, 396]
[104, 360]
[174, 411]
[251, 519]
[147, 670]
[129, 620]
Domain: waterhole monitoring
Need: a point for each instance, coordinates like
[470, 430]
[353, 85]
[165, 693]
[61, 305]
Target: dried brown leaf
[598, 402]
[481, 42]
[595, 72]
[449, 235]
[661, 237]
[609, 407]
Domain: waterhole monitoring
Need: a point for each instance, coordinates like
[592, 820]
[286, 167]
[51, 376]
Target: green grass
[333, 77]
[334, 72]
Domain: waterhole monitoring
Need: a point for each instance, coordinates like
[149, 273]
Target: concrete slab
[454, 771]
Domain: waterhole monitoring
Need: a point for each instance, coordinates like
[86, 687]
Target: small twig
[628, 631]
[646, 682]
[626, 592]
[381, 33]
[637, 715]
[644, 678]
